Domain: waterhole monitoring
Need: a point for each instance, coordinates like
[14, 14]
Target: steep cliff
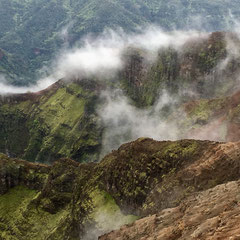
[198, 67]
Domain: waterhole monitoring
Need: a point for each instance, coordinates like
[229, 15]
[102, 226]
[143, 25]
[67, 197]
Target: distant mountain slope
[30, 31]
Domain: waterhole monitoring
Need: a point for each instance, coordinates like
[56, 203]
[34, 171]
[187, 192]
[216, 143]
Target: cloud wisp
[124, 122]
[101, 57]
[6, 89]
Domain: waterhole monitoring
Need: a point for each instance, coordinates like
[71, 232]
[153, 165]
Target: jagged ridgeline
[63, 120]
[31, 32]
[71, 200]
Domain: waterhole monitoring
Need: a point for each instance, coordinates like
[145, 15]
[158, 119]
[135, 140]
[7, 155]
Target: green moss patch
[21, 219]
[106, 213]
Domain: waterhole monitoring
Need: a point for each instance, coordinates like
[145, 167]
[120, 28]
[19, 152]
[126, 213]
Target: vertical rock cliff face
[193, 68]
[212, 214]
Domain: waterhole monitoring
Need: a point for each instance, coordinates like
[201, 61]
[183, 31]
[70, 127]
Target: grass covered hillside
[57, 122]
[31, 32]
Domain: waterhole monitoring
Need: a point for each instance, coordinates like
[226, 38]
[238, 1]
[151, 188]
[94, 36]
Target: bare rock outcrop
[213, 214]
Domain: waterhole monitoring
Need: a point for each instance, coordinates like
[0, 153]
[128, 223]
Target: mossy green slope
[57, 122]
[69, 204]
[19, 216]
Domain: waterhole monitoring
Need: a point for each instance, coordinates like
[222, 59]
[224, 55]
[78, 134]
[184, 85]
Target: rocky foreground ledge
[186, 189]
[212, 214]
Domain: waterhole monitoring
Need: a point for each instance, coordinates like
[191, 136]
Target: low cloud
[101, 58]
[6, 89]
[124, 122]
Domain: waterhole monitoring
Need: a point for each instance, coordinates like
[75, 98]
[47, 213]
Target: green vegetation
[69, 203]
[19, 217]
[136, 166]
[192, 69]
[106, 213]
[58, 123]
[30, 31]
[63, 121]
[205, 109]
[140, 178]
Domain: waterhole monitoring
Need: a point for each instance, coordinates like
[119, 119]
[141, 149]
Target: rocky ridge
[159, 182]
[211, 214]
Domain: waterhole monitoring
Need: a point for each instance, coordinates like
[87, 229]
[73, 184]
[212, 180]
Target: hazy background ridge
[32, 32]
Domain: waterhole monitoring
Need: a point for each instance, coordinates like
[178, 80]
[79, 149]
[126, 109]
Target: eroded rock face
[212, 214]
[213, 119]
